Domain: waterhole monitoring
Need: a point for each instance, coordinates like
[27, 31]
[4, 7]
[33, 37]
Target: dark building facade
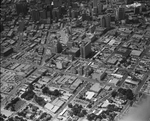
[120, 13]
[21, 8]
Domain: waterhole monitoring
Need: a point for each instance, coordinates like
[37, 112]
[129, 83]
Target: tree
[84, 112]
[43, 115]
[39, 100]
[1, 119]
[114, 94]
[11, 119]
[28, 95]
[46, 90]
[56, 93]
[70, 105]
[49, 118]
[103, 114]
[30, 87]
[77, 110]
[122, 91]
[99, 116]
[70, 113]
[98, 119]
[91, 116]
[110, 107]
[89, 106]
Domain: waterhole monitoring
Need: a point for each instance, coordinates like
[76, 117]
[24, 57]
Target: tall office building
[42, 14]
[80, 70]
[129, 1]
[95, 11]
[57, 3]
[48, 9]
[56, 14]
[103, 22]
[35, 15]
[107, 20]
[85, 49]
[73, 14]
[57, 47]
[97, 7]
[120, 13]
[100, 8]
[21, 8]
[1, 27]
[68, 3]
[21, 26]
[48, 2]
[95, 3]
[92, 28]
[137, 10]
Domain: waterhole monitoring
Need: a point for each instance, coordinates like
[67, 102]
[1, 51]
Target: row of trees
[56, 92]
[28, 95]
[16, 118]
[77, 110]
[39, 100]
[127, 93]
[105, 114]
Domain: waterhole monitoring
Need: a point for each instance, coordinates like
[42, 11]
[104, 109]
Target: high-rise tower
[85, 49]
[120, 13]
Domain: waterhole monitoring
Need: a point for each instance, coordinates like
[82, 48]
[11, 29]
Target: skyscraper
[129, 1]
[35, 15]
[120, 13]
[56, 14]
[48, 1]
[137, 10]
[95, 3]
[100, 8]
[21, 7]
[85, 49]
[107, 20]
[103, 22]
[57, 3]
[57, 47]
[95, 10]
[42, 14]
[49, 9]
[69, 2]
[21, 26]
[1, 27]
[80, 70]
[97, 7]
